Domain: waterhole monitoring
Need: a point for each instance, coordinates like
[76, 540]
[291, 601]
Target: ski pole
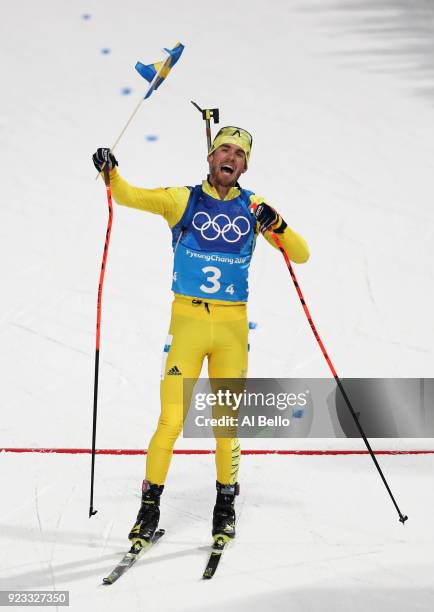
[207, 115]
[106, 173]
[402, 518]
[155, 74]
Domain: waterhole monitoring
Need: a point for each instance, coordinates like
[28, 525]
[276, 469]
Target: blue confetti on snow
[105, 51]
[252, 325]
[86, 16]
[151, 137]
[125, 91]
[298, 414]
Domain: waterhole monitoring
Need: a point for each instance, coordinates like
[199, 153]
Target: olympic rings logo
[221, 225]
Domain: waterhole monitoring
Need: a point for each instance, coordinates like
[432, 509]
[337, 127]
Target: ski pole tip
[92, 512]
[402, 519]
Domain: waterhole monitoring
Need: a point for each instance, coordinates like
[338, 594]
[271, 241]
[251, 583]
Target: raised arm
[168, 202]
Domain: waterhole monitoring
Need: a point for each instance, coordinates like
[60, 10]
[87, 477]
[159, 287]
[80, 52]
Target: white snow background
[339, 97]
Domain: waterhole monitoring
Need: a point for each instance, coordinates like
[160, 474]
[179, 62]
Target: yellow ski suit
[216, 329]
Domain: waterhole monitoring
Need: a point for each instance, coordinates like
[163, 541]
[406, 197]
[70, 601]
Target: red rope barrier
[133, 451]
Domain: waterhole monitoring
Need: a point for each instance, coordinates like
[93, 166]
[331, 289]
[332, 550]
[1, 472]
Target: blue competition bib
[213, 245]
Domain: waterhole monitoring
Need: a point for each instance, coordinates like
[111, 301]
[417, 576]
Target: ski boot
[223, 520]
[149, 513]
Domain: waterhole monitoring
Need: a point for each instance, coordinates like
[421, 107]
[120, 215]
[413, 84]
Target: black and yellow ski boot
[149, 513]
[223, 520]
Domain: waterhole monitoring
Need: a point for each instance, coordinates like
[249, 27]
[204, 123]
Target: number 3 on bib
[213, 278]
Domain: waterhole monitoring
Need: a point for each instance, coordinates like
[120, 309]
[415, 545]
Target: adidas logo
[174, 371]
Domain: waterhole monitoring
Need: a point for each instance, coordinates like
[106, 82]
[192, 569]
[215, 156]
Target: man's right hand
[104, 157]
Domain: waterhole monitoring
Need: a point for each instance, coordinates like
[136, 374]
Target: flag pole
[158, 77]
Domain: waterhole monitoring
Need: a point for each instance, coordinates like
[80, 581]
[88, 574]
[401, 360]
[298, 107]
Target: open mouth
[227, 169]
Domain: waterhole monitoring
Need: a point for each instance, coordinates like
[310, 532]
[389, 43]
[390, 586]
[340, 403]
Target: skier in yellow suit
[213, 236]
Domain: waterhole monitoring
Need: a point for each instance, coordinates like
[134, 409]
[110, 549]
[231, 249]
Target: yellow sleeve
[294, 244]
[170, 203]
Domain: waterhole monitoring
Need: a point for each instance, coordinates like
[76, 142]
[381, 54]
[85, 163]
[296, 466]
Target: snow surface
[314, 534]
[339, 98]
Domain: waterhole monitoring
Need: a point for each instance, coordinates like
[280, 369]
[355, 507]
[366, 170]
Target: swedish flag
[156, 73]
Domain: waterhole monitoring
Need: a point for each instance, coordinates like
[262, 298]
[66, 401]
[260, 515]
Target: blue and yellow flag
[156, 73]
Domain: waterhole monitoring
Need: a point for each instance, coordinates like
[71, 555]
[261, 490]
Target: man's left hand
[265, 216]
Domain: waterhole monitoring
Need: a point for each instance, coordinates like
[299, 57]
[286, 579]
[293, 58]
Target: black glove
[265, 216]
[102, 157]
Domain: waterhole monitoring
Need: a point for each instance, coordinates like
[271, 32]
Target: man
[213, 237]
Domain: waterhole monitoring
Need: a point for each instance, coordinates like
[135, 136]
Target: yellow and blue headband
[233, 135]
